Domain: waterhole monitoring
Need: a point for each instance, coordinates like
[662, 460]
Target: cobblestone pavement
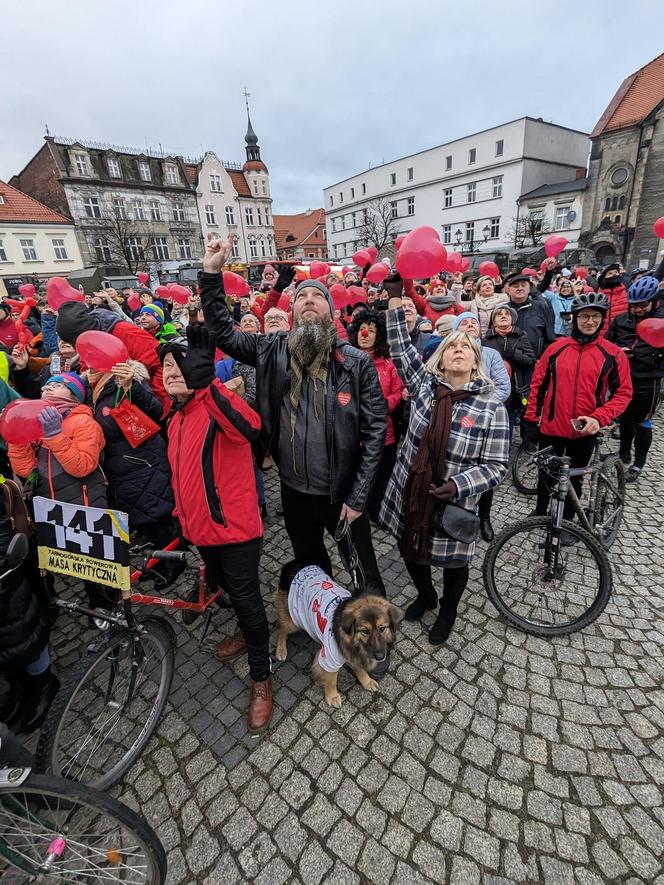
[497, 758]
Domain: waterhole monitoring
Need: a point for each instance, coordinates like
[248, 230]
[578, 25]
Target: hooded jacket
[560, 304]
[617, 304]
[515, 349]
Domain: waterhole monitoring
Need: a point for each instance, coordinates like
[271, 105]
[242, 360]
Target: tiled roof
[560, 187]
[191, 171]
[239, 182]
[638, 95]
[17, 206]
[300, 226]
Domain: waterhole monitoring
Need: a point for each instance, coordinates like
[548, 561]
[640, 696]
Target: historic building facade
[301, 237]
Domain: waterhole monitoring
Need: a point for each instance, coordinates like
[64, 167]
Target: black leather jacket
[356, 408]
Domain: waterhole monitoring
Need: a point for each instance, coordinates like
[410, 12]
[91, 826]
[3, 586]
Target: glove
[51, 422]
[446, 492]
[530, 434]
[197, 364]
[393, 285]
[285, 278]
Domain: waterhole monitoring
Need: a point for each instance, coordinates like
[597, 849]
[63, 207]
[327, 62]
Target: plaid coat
[478, 448]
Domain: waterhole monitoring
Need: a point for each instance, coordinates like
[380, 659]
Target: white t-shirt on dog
[312, 601]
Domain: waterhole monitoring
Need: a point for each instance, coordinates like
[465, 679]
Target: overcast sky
[334, 86]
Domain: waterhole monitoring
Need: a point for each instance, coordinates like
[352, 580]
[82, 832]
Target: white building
[467, 189]
[559, 208]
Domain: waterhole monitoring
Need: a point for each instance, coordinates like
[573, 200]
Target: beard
[308, 338]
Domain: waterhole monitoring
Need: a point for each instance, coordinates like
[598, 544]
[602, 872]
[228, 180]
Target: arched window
[621, 203]
[614, 204]
[617, 219]
[607, 204]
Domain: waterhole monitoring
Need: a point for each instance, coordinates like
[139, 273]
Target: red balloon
[581, 273]
[134, 301]
[58, 291]
[652, 332]
[465, 264]
[179, 294]
[554, 245]
[399, 240]
[356, 295]
[234, 284]
[454, 262]
[373, 253]
[27, 290]
[529, 271]
[101, 351]
[421, 254]
[362, 257]
[339, 296]
[8, 333]
[319, 269]
[658, 228]
[143, 278]
[489, 269]
[378, 272]
[19, 422]
[543, 266]
[344, 270]
[163, 292]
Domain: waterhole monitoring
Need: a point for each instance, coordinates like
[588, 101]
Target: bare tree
[380, 227]
[128, 241]
[528, 230]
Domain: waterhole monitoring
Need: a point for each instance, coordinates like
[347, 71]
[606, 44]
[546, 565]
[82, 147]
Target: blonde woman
[456, 448]
[485, 302]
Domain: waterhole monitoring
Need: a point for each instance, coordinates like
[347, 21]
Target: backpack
[13, 503]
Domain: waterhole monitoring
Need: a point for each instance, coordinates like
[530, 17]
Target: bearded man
[323, 415]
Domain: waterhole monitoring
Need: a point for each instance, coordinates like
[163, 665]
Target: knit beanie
[74, 319]
[73, 382]
[315, 284]
[513, 313]
[153, 310]
[466, 315]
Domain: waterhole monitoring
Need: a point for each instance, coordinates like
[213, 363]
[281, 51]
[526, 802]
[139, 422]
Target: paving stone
[314, 863]
[375, 863]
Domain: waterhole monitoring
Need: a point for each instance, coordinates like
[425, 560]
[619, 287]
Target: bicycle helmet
[644, 289]
[592, 300]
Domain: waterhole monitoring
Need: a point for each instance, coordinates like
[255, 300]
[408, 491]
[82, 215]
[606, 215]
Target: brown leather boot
[260, 706]
[231, 647]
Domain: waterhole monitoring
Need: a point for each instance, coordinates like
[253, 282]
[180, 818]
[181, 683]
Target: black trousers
[308, 516]
[454, 583]
[580, 452]
[387, 462]
[642, 407]
[235, 568]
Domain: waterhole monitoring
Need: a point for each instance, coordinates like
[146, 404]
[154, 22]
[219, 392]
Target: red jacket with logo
[209, 449]
[573, 379]
[617, 305]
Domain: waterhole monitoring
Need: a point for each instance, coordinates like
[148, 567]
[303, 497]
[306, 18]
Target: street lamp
[457, 236]
[486, 230]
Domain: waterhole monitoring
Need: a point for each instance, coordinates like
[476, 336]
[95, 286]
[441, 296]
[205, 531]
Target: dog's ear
[395, 615]
[348, 621]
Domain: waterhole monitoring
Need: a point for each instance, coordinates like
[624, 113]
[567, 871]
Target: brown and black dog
[356, 630]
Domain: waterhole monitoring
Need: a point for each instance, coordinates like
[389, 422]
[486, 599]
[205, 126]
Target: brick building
[625, 192]
[301, 236]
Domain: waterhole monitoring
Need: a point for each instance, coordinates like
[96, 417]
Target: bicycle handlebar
[176, 555]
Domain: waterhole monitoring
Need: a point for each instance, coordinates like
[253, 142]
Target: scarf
[98, 389]
[441, 302]
[316, 371]
[427, 468]
[61, 403]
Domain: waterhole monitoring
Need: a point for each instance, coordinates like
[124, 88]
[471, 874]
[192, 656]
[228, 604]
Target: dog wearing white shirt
[354, 630]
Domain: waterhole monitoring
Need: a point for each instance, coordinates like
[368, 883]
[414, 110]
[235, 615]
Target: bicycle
[567, 572]
[524, 470]
[110, 703]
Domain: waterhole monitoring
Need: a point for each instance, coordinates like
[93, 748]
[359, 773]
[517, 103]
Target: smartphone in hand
[577, 424]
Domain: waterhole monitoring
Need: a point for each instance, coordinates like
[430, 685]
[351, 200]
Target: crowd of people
[394, 405]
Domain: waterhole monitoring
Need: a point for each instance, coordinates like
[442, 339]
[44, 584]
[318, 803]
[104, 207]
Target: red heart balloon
[100, 351]
[543, 266]
[652, 332]
[554, 245]
[339, 296]
[454, 262]
[465, 264]
[319, 269]
[489, 269]
[356, 295]
[234, 284]
[134, 301]
[529, 271]
[143, 278]
[19, 422]
[345, 270]
[163, 292]
[179, 294]
[581, 273]
[58, 291]
[27, 290]
[421, 254]
[361, 258]
[658, 228]
[378, 272]
[373, 253]
[399, 240]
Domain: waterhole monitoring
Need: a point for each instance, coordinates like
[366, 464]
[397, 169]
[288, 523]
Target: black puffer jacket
[515, 348]
[139, 480]
[645, 362]
[355, 411]
[535, 318]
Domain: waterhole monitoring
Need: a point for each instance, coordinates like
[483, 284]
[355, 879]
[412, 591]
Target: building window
[334, 225]
[263, 248]
[178, 211]
[60, 250]
[447, 198]
[331, 200]
[536, 219]
[81, 164]
[617, 219]
[471, 193]
[184, 248]
[3, 251]
[410, 173]
[210, 214]
[472, 156]
[470, 231]
[253, 249]
[113, 167]
[230, 215]
[494, 227]
[144, 171]
[249, 215]
[499, 147]
[497, 186]
[607, 204]
[394, 209]
[172, 176]
[621, 202]
[101, 250]
[447, 234]
[236, 252]
[91, 206]
[619, 176]
[341, 196]
[155, 211]
[343, 222]
[393, 179]
[119, 209]
[448, 163]
[215, 182]
[259, 216]
[364, 189]
[352, 193]
[267, 217]
[29, 251]
[139, 212]
[160, 248]
[561, 217]
[410, 210]
[134, 248]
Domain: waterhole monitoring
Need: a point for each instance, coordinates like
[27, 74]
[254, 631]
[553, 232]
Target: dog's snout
[380, 656]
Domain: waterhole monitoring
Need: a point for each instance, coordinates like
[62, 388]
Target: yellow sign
[86, 568]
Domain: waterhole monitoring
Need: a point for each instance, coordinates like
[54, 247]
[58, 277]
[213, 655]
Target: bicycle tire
[524, 624]
[47, 794]
[518, 477]
[52, 751]
[613, 466]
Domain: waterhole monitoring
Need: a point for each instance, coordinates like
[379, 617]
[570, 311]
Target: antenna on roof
[47, 129]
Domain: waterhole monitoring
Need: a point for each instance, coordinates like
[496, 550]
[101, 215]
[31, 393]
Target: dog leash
[349, 556]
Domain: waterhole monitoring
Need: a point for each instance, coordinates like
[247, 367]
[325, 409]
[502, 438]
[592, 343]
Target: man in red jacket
[579, 382]
[610, 283]
[209, 449]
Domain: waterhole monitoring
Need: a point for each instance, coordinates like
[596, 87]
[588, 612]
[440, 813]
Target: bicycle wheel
[610, 500]
[55, 830]
[515, 576]
[98, 726]
[524, 471]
